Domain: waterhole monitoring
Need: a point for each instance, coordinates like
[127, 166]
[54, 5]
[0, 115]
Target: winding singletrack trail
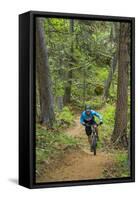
[78, 164]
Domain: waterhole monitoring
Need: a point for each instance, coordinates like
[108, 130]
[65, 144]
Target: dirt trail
[79, 164]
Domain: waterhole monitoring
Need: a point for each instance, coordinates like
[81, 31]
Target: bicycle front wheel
[94, 141]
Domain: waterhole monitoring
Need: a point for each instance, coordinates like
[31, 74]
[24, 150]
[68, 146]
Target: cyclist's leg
[88, 131]
[93, 122]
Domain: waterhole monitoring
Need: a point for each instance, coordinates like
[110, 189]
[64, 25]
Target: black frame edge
[24, 98]
[80, 15]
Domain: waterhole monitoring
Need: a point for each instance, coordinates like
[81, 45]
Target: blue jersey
[93, 113]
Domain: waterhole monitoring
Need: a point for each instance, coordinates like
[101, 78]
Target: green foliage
[50, 144]
[92, 51]
[95, 103]
[109, 114]
[65, 116]
[101, 73]
[119, 168]
[121, 158]
[122, 164]
[98, 90]
[59, 89]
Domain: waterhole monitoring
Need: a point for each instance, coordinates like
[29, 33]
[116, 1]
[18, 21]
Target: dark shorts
[88, 129]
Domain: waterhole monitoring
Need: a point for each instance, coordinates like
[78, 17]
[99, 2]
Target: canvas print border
[27, 92]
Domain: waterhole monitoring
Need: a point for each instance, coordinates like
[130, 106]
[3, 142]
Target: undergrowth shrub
[65, 116]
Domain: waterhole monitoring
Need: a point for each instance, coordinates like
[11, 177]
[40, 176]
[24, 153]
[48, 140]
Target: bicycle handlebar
[98, 124]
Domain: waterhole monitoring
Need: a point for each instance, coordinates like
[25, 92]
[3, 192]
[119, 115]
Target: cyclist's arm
[98, 115]
[82, 119]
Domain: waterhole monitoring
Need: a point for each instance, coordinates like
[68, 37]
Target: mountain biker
[87, 117]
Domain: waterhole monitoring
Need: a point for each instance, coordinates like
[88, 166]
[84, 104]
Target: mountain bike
[93, 136]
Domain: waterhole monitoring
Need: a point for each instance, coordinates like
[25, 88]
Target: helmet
[87, 108]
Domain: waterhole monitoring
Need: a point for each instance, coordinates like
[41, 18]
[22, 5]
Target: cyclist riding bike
[87, 118]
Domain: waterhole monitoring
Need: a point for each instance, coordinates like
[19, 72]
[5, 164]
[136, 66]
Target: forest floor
[78, 163]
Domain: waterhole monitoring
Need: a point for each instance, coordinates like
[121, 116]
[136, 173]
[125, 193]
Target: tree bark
[61, 77]
[113, 65]
[37, 101]
[84, 86]
[110, 76]
[119, 135]
[67, 95]
[47, 115]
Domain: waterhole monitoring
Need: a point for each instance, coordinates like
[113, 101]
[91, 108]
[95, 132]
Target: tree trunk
[119, 135]
[46, 99]
[60, 103]
[68, 76]
[115, 38]
[61, 77]
[110, 76]
[129, 152]
[84, 86]
[37, 101]
[67, 95]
